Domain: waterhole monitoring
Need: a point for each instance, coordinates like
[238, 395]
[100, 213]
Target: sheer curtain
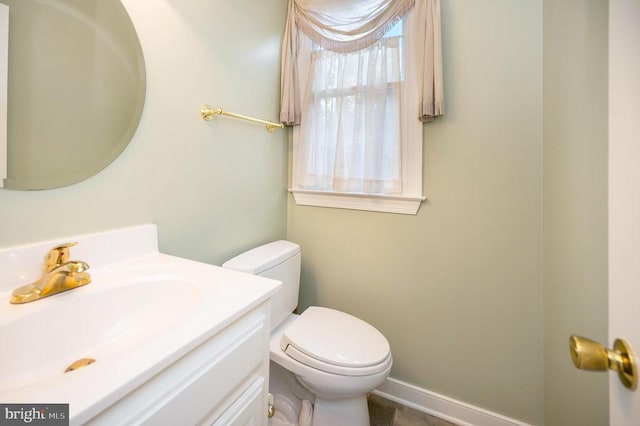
[351, 121]
[357, 94]
[350, 25]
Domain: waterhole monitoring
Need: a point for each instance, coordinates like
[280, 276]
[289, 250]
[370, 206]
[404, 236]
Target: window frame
[409, 201]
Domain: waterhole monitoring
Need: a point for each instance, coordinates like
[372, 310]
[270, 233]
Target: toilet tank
[279, 260]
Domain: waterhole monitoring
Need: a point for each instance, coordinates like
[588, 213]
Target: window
[358, 144]
[351, 123]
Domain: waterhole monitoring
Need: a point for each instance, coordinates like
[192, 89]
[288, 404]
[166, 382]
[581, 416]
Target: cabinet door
[247, 410]
[204, 383]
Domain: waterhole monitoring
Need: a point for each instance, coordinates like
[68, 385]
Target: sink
[142, 312]
[98, 324]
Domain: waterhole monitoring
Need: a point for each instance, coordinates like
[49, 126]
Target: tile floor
[383, 412]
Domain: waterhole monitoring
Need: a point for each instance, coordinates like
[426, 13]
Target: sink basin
[47, 337]
[139, 314]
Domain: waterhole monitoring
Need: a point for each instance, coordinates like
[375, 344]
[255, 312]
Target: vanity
[153, 339]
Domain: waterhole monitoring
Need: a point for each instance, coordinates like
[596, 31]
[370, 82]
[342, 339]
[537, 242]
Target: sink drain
[82, 362]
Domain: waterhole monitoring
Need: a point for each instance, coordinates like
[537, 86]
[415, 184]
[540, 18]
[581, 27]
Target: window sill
[378, 203]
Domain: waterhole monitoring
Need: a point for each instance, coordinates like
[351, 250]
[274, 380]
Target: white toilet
[325, 356]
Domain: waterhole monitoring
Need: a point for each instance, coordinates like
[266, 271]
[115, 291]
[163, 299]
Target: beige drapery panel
[350, 25]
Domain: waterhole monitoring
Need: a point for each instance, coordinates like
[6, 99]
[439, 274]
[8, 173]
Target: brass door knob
[589, 355]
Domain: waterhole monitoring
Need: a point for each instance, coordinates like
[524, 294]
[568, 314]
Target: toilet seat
[336, 342]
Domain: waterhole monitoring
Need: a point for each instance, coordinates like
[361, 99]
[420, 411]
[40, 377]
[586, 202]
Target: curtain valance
[351, 25]
[347, 25]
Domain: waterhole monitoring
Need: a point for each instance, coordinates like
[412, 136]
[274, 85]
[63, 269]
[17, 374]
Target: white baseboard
[441, 406]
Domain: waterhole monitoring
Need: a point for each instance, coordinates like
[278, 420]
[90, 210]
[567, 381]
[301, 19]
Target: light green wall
[457, 289]
[213, 188]
[575, 205]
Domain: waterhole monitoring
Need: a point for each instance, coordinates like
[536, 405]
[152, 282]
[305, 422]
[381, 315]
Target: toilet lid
[321, 336]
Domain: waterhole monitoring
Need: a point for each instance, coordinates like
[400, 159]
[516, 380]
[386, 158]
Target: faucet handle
[58, 255]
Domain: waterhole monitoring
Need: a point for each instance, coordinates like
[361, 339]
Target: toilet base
[285, 412]
[341, 412]
[334, 412]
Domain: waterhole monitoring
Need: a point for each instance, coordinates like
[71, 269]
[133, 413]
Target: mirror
[76, 89]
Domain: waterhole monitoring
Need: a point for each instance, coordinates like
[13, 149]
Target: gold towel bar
[207, 113]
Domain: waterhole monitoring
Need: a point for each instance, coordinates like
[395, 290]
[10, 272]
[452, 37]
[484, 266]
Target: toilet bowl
[340, 399]
[334, 359]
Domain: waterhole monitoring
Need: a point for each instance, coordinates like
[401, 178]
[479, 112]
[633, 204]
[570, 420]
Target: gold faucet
[59, 274]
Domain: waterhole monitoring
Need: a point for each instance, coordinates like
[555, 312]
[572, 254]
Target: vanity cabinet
[222, 382]
[174, 342]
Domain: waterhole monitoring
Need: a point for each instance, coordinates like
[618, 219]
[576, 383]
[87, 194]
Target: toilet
[323, 361]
